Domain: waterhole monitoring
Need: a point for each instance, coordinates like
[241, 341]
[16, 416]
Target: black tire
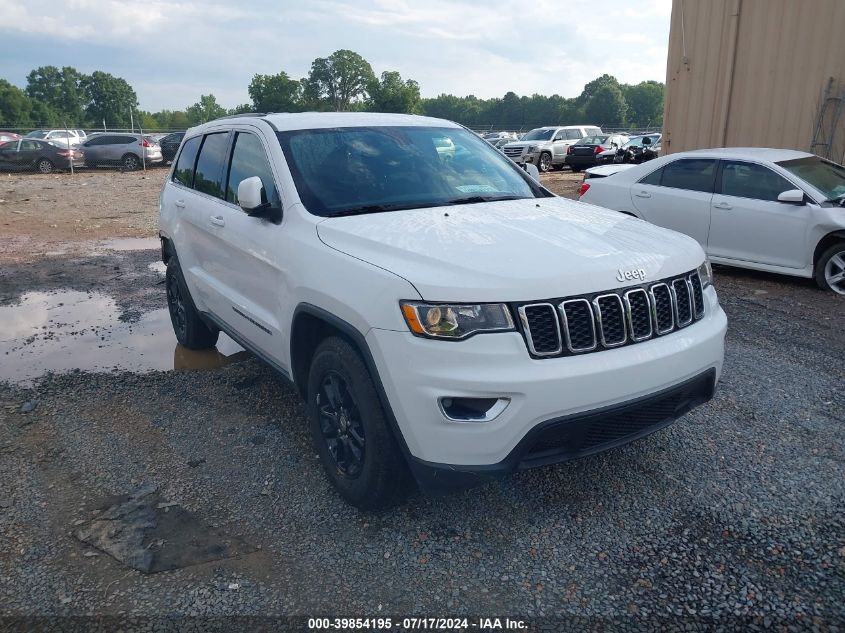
[544, 164]
[831, 263]
[130, 162]
[191, 331]
[350, 430]
[45, 166]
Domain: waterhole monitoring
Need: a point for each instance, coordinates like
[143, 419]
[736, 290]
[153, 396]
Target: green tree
[111, 99]
[15, 106]
[275, 93]
[606, 107]
[391, 94]
[645, 103]
[338, 80]
[206, 109]
[63, 92]
[241, 109]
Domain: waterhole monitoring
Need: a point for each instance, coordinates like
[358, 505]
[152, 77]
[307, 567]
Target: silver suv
[546, 146]
[126, 150]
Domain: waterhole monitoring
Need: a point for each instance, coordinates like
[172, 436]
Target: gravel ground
[731, 517]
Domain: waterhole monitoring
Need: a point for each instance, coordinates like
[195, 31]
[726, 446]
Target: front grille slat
[603, 321]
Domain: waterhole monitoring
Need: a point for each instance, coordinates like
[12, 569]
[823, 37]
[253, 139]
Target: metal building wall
[752, 73]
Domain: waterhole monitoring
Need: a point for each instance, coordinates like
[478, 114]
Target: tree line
[343, 81]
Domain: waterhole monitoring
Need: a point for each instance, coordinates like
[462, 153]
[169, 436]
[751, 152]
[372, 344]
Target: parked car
[5, 137]
[499, 143]
[125, 150]
[170, 145]
[67, 138]
[447, 321]
[495, 136]
[546, 146]
[639, 149]
[767, 209]
[584, 153]
[633, 145]
[29, 154]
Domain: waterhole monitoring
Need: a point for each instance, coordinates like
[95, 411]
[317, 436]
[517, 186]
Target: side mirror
[793, 196]
[249, 194]
[251, 199]
[532, 171]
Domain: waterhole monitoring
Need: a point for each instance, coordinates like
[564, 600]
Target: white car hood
[515, 250]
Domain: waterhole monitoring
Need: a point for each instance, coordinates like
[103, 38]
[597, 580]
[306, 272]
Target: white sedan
[776, 210]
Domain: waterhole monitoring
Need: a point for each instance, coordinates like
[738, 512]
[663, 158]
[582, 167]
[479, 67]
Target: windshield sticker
[476, 188]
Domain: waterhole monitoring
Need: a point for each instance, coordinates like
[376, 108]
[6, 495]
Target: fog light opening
[459, 409]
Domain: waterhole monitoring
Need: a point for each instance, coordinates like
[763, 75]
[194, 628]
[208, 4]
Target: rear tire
[350, 431]
[191, 331]
[45, 166]
[830, 269]
[130, 162]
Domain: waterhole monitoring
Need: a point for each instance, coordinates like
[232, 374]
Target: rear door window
[692, 174]
[748, 180]
[209, 172]
[248, 160]
[183, 173]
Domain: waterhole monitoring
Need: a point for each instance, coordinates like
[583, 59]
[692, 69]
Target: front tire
[830, 269]
[350, 431]
[191, 331]
[545, 162]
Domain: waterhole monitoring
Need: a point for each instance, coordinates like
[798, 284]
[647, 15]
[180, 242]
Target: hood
[522, 144]
[514, 250]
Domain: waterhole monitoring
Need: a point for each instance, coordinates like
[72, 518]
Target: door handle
[722, 205]
[643, 194]
[180, 204]
[217, 220]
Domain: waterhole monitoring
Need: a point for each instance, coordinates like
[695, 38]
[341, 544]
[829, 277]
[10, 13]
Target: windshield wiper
[369, 208]
[477, 199]
[840, 199]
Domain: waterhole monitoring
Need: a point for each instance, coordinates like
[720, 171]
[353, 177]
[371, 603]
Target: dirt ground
[731, 517]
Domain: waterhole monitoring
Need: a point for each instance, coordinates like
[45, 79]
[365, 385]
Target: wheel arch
[826, 242]
[309, 326]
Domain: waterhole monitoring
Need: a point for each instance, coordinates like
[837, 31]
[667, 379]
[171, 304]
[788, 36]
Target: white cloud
[174, 51]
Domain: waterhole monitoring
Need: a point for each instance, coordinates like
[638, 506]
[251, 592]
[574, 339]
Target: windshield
[637, 141]
[341, 171]
[37, 134]
[540, 134]
[824, 175]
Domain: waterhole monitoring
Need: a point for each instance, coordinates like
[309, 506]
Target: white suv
[445, 317]
[546, 147]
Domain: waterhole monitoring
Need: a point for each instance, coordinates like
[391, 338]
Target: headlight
[456, 321]
[532, 149]
[705, 273]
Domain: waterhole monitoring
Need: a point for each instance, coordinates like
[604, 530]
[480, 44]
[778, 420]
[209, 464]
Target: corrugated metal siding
[753, 72]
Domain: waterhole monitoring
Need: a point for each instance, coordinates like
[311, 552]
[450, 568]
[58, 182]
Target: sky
[172, 51]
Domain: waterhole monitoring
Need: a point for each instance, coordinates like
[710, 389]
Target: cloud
[172, 52]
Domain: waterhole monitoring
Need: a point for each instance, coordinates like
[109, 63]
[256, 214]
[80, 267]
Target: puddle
[66, 330]
[130, 244]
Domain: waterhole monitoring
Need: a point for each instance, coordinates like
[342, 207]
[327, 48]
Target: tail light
[583, 189]
[599, 149]
[65, 152]
[146, 143]
[569, 149]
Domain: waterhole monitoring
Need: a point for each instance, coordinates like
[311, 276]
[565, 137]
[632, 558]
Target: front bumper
[416, 372]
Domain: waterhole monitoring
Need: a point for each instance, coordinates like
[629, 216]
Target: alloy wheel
[45, 166]
[130, 162]
[834, 272]
[545, 162]
[341, 425]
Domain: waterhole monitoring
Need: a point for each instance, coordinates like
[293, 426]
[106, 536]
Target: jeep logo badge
[630, 275]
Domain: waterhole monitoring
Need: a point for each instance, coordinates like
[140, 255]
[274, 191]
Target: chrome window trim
[527, 328]
[562, 309]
